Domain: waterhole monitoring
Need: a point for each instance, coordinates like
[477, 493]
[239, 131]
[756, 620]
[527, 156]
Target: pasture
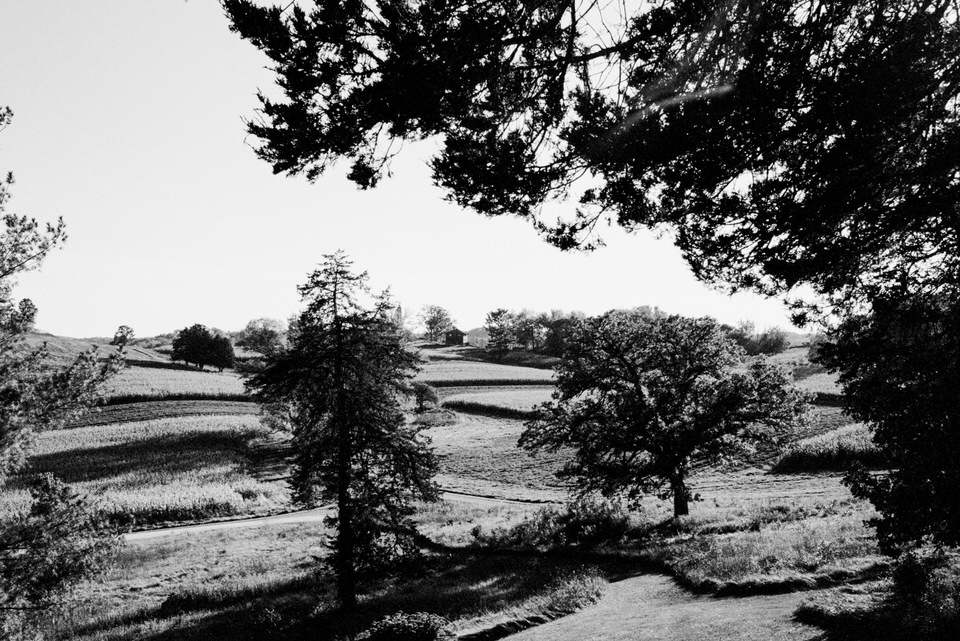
[159, 383]
[446, 371]
[160, 460]
[157, 471]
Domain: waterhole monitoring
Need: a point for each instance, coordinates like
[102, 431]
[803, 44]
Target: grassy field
[514, 398]
[453, 370]
[834, 450]
[63, 349]
[158, 383]
[162, 461]
[149, 410]
[157, 471]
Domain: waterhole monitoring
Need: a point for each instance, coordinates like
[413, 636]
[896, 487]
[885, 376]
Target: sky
[129, 123]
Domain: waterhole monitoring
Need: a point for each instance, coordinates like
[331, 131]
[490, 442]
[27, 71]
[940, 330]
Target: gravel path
[654, 608]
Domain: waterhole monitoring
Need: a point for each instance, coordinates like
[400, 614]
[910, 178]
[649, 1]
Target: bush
[425, 396]
[586, 523]
[926, 592]
[418, 626]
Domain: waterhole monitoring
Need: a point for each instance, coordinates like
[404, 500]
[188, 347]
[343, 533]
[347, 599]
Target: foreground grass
[263, 583]
[149, 472]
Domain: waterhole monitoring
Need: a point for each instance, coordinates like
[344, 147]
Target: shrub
[926, 591]
[425, 396]
[585, 523]
[417, 626]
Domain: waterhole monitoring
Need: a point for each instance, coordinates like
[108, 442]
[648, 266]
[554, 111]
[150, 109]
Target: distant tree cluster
[198, 346]
[544, 333]
[263, 335]
[770, 341]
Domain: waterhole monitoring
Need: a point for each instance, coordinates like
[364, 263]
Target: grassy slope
[480, 454]
[63, 349]
[172, 469]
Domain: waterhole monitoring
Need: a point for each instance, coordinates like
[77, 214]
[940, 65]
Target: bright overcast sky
[128, 122]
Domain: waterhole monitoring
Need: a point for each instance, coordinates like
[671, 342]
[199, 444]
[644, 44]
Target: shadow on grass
[169, 454]
[456, 586]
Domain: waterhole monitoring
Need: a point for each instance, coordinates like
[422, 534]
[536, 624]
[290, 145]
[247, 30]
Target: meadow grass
[150, 410]
[519, 401]
[159, 383]
[835, 450]
[455, 370]
[258, 583]
[148, 472]
[821, 383]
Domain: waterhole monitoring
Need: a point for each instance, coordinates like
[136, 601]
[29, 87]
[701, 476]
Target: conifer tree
[336, 388]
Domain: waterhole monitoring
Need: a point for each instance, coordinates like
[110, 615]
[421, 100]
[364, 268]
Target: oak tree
[122, 336]
[641, 396]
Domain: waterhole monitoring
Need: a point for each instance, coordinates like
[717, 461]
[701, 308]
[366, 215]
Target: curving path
[653, 608]
[315, 515]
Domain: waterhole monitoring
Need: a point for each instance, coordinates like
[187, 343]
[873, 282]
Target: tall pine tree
[337, 388]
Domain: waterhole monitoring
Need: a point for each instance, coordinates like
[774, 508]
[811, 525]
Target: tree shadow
[169, 453]
[455, 585]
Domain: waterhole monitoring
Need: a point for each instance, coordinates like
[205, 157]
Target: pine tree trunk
[346, 545]
[681, 496]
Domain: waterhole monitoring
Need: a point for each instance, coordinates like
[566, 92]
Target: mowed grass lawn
[157, 471]
[162, 382]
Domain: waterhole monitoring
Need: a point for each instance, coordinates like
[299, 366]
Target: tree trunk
[681, 496]
[346, 563]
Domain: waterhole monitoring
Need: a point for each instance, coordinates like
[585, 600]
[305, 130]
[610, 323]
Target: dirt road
[304, 516]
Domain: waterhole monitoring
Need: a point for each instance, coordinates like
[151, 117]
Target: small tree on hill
[123, 336]
[436, 320]
[639, 396]
[500, 326]
[221, 353]
[337, 388]
[193, 345]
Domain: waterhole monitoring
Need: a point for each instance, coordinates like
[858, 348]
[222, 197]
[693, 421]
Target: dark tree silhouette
[639, 396]
[221, 353]
[768, 132]
[337, 388]
[123, 335]
[193, 345]
[900, 367]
